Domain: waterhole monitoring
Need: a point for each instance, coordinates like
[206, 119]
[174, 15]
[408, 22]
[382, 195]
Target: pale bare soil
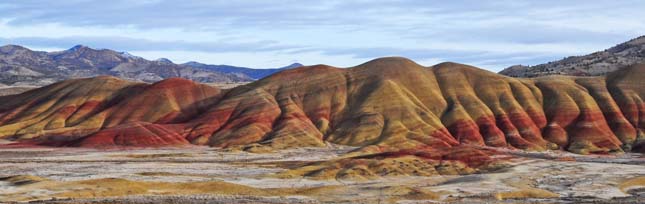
[227, 85]
[11, 90]
[210, 175]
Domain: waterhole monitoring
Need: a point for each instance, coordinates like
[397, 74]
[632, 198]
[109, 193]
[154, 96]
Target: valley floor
[210, 175]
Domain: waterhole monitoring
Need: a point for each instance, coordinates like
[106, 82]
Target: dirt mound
[19, 180]
[417, 162]
[385, 105]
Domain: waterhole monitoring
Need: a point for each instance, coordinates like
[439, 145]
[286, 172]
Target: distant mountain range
[598, 63]
[20, 66]
[250, 72]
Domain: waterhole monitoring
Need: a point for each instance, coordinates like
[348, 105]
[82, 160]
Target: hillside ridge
[389, 102]
[20, 66]
[594, 64]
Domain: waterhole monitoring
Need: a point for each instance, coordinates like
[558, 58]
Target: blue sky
[258, 33]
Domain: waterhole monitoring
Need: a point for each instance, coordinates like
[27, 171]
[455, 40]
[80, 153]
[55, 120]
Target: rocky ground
[210, 175]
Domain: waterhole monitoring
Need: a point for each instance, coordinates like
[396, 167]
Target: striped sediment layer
[385, 105]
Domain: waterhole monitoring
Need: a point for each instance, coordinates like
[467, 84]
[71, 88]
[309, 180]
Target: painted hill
[78, 107]
[250, 72]
[388, 105]
[20, 66]
[598, 63]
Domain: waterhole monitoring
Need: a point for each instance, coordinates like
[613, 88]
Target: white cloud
[343, 33]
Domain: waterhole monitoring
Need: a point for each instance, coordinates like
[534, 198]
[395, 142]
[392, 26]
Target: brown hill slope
[385, 105]
[65, 111]
[598, 63]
